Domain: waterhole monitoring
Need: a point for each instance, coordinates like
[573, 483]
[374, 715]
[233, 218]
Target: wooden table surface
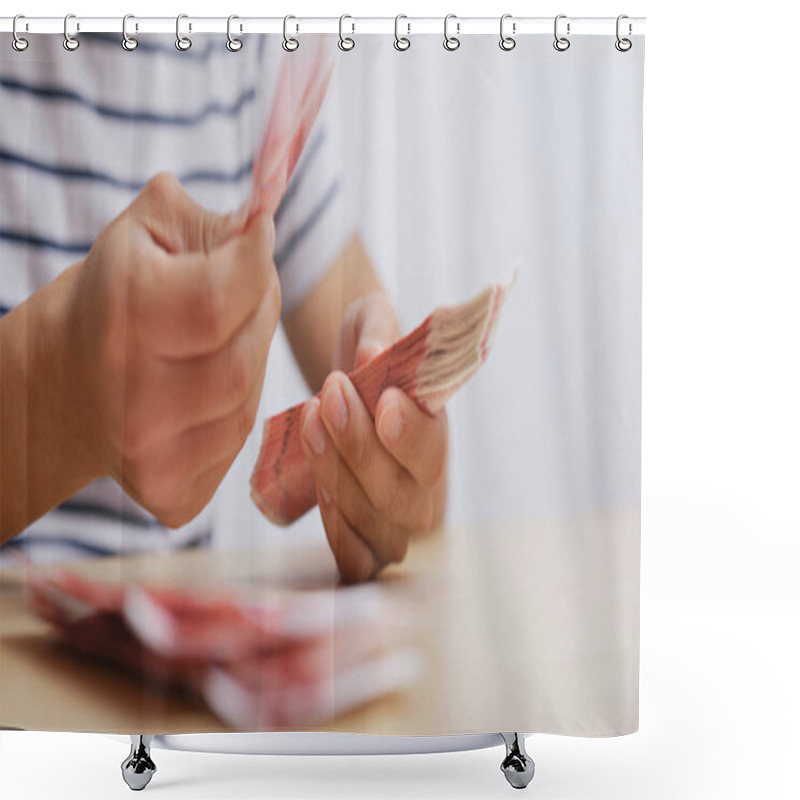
[489, 660]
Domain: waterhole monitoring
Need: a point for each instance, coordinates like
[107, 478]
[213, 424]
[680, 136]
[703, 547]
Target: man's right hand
[169, 323]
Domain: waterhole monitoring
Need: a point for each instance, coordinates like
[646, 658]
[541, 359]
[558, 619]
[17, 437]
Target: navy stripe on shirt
[24, 542]
[48, 93]
[86, 174]
[78, 506]
[29, 239]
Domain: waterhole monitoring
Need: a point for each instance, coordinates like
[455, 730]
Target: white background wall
[721, 532]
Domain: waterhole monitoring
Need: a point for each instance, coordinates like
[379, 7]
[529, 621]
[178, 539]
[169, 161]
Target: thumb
[177, 222]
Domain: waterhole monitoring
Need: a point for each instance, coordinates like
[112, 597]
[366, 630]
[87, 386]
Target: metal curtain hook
[507, 42]
[561, 43]
[451, 42]
[401, 42]
[623, 45]
[346, 42]
[128, 42]
[290, 44]
[70, 42]
[182, 42]
[233, 44]
[18, 43]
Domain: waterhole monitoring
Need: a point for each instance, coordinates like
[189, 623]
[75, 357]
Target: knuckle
[193, 502]
[162, 184]
[239, 373]
[160, 189]
[245, 419]
[155, 494]
[175, 517]
[155, 491]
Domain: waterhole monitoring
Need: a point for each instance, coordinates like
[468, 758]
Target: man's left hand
[378, 481]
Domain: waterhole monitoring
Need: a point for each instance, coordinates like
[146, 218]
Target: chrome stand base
[138, 768]
[517, 766]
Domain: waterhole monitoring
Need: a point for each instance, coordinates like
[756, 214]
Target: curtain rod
[300, 24]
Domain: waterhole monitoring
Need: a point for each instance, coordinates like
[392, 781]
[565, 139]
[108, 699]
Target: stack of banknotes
[293, 659]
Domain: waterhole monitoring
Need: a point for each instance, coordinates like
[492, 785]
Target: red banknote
[302, 84]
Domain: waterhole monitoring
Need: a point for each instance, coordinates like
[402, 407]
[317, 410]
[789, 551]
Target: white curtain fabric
[457, 169]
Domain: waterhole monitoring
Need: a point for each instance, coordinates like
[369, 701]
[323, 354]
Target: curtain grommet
[507, 43]
[561, 43]
[401, 43]
[346, 43]
[451, 43]
[70, 43]
[289, 44]
[233, 44]
[19, 43]
[129, 43]
[623, 44]
[183, 43]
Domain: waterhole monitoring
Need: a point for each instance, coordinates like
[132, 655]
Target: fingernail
[335, 407]
[313, 430]
[325, 496]
[392, 422]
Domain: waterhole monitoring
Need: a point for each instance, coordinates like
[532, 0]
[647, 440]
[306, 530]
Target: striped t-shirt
[80, 134]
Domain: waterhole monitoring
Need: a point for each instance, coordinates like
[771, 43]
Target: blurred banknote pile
[295, 658]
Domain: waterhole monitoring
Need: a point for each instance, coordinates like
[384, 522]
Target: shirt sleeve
[315, 219]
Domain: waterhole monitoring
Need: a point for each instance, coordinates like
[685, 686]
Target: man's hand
[378, 481]
[171, 317]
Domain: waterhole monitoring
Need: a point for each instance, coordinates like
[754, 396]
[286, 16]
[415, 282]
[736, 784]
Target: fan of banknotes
[429, 364]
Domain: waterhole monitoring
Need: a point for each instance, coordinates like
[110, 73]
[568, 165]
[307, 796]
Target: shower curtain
[321, 376]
